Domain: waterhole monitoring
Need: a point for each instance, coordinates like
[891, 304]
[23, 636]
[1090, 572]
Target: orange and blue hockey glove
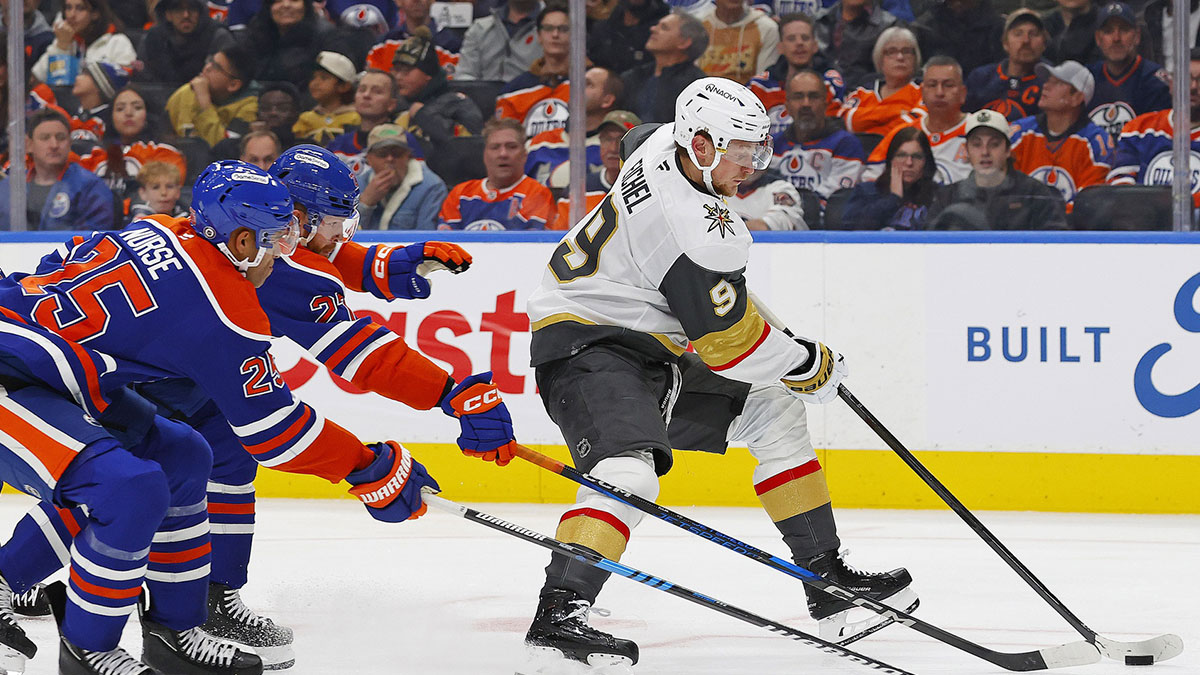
[487, 428]
[391, 272]
[390, 486]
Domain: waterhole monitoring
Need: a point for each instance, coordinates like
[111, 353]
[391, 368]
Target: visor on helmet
[749, 154]
[332, 228]
[281, 241]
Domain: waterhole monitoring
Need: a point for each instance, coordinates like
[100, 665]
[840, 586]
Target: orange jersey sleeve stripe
[402, 374]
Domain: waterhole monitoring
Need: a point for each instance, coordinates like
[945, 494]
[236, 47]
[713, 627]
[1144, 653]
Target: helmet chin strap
[705, 171]
[243, 266]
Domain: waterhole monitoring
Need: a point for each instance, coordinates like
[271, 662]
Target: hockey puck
[1139, 660]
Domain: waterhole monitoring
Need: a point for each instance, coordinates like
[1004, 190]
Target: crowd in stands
[886, 114]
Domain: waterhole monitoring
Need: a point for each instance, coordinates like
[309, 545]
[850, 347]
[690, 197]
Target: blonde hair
[159, 171]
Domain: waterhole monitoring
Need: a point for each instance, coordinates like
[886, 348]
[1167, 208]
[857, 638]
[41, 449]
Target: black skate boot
[560, 625]
[192, 652]
[832, 614]
[32, 603]
[15, 646]
[73, 660]
[230, 619]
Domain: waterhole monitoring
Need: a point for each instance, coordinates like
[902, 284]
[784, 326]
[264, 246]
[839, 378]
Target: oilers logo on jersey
[1161, 170]
[547, 115]
[1112, 116]
[1057, 178]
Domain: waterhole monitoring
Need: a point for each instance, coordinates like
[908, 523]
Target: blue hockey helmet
[231, 194]
[323, 185]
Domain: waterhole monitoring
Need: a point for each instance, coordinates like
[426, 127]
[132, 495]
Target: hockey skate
[230, 619]
[32, 602]
[74, 660]
[833, 614]
[15, 646]
[560, 626]
[192, 652]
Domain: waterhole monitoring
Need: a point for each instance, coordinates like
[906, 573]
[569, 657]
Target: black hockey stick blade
[1145, 652]
[596, 560]
[1062, 656]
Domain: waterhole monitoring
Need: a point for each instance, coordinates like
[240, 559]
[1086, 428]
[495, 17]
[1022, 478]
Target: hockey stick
[1145, 652]
[1062, 656]
[596, 560]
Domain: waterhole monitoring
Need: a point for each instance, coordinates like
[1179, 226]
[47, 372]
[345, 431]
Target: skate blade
[273, 658]
[11, 660]
[542, 660]
[839, 630]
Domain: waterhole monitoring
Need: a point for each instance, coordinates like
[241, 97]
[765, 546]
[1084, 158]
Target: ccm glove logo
[476, 403]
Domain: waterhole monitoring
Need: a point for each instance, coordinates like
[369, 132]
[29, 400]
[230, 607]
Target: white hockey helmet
[731, 115]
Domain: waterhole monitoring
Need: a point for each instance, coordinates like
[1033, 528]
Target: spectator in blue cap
[1127, 84]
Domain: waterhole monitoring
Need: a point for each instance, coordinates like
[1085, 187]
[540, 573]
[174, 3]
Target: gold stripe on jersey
[593, 533]
[566, 316]
[725, 348]
[558, 318]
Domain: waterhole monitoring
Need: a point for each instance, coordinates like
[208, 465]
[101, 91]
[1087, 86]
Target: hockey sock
[109, 556]
[231, 512]
[181, 552]
[797, 500]
[40, 545]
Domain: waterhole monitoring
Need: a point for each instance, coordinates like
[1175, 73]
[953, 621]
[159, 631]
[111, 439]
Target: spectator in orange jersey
[848, 31]
[798, 50]
[506, 199]
[435, 113]
[942, 94]
[95, 87]
[895, 99]
[1060, 146]
[538, 97]
[549, 149]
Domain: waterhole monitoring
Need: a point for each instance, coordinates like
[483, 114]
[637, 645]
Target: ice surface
[444, 595]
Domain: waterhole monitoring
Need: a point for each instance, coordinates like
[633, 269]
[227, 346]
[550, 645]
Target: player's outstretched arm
[487, 428]
[391, 272]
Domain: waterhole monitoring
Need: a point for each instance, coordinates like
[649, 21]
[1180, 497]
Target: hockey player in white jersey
[656, 266]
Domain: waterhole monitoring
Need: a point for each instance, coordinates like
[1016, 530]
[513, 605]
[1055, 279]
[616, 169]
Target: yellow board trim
[1072, 482]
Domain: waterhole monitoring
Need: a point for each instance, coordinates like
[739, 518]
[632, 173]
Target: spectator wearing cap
[38, 34]
[675, 42]
[602, 175]
[435, 113]
[85, 31]
[1144, 152]
[995, 196]
[332, 87]
[501, 45]
[399, 192]
[260, 148]
[95, 88]
[418, 13]
[285, 37]
[1060, 146]
[895, 99]
[1013, 85]
[619, 42]
[1071, 31]
[506, 199]
[174, 49]
[798, 51]
[215, 104]
[969, 31]
[1160, 29]
[538, 97]
[375, 103]
[547, 150]
[60, 194]
[847, 32]
[1127, 85]
[742, 41]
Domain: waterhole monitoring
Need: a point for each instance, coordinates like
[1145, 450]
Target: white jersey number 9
[723, 295]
